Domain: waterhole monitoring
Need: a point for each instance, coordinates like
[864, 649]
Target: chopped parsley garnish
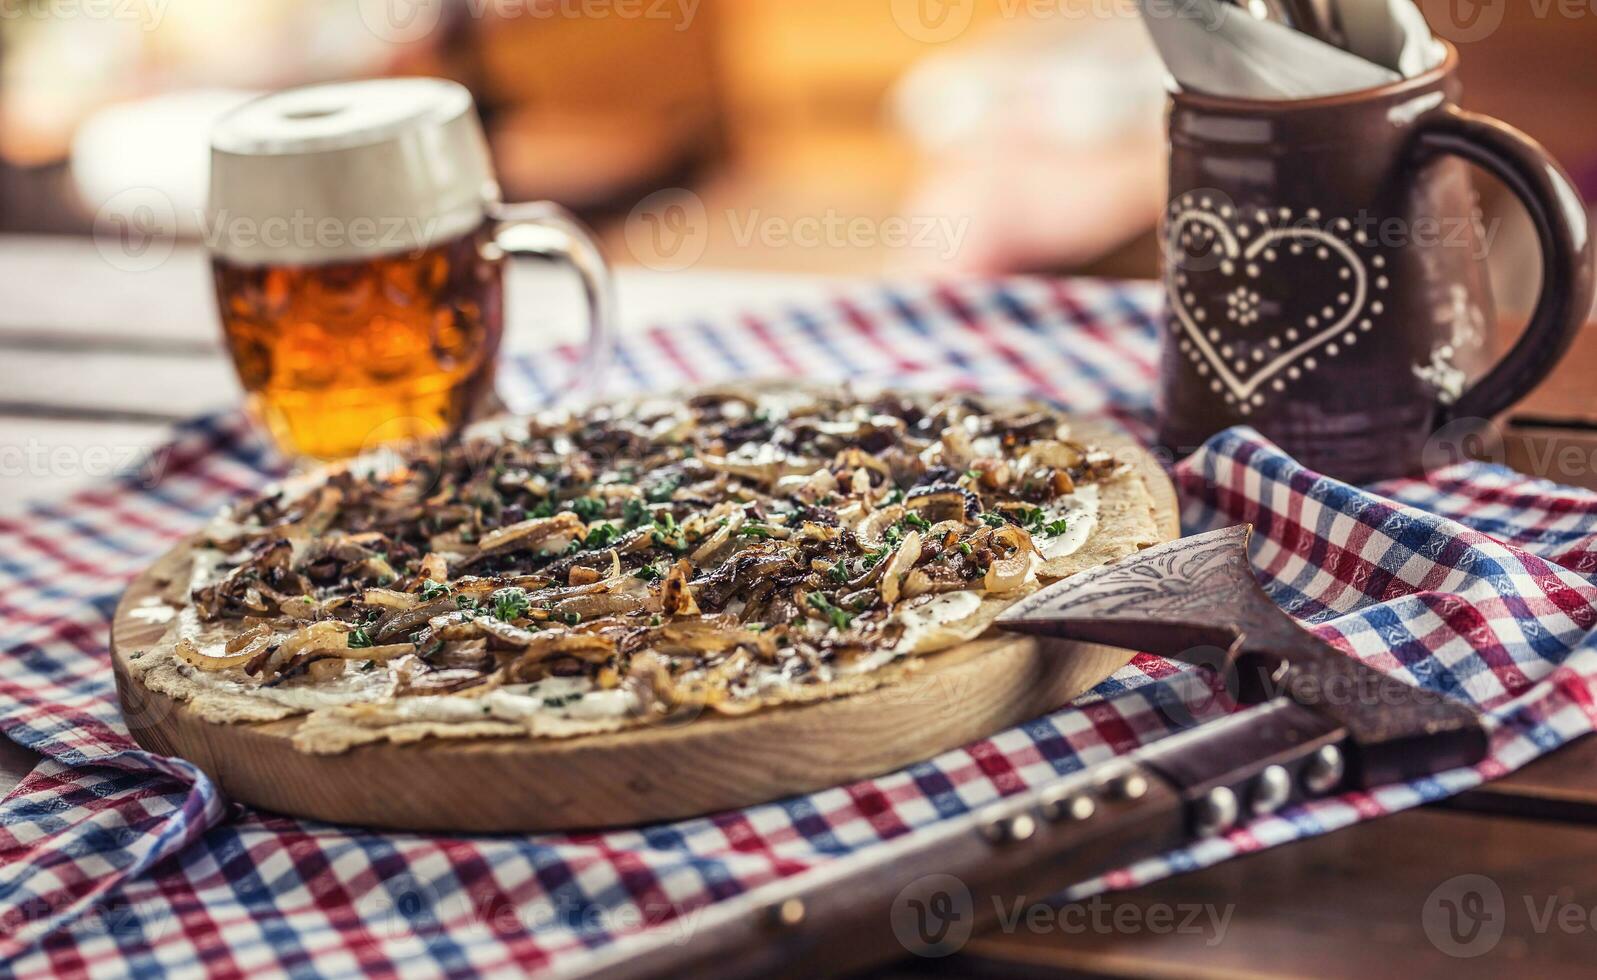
[965, 548]
[896, 497]
[916, 521]
[359, 638]
[466, 603]
[649, 573]
[660, 492]
[587, 508]
[635, 512]
[571, 618]
[839, 571]
[431, 590]
[839, 618]
[510, 603]
[1033, 519]
[667, 533]
[600, 535]
[752, 530]
[973, 474]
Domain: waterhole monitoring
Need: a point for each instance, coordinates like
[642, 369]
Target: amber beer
[358, 253]
[338, 357]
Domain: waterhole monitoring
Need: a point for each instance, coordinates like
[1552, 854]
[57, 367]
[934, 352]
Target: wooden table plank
[113, 381]
[1560, 453]
[45, 459]
[71, 289]
[1560, 786]
[15, 763]
[1567, 393]
[1362, 903]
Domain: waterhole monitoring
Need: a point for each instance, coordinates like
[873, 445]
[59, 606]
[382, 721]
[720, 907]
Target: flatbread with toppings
[729, 551]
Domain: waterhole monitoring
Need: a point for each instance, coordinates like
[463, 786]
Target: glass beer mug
[358, 246]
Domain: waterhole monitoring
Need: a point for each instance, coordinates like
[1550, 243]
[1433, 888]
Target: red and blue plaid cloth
[1474, 582]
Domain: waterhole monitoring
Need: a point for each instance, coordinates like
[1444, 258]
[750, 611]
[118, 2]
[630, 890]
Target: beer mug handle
[548, 230]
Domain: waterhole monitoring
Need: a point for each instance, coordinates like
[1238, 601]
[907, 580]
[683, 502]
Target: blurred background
[841, 137]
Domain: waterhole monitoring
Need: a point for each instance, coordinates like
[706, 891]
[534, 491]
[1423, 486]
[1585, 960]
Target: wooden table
[95, 362]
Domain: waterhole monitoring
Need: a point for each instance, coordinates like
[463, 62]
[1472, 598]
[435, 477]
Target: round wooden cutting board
[632, 777]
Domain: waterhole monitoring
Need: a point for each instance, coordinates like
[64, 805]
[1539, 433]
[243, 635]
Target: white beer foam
[346, 171]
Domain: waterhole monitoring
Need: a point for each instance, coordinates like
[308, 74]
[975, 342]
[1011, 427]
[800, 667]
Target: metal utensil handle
[927, 892]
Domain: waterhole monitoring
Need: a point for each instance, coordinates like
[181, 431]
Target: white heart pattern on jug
[1255, 338]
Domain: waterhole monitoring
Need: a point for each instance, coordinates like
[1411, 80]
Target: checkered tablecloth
[1474, 582]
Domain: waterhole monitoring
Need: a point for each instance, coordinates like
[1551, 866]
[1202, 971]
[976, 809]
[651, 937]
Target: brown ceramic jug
[1325, 273]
